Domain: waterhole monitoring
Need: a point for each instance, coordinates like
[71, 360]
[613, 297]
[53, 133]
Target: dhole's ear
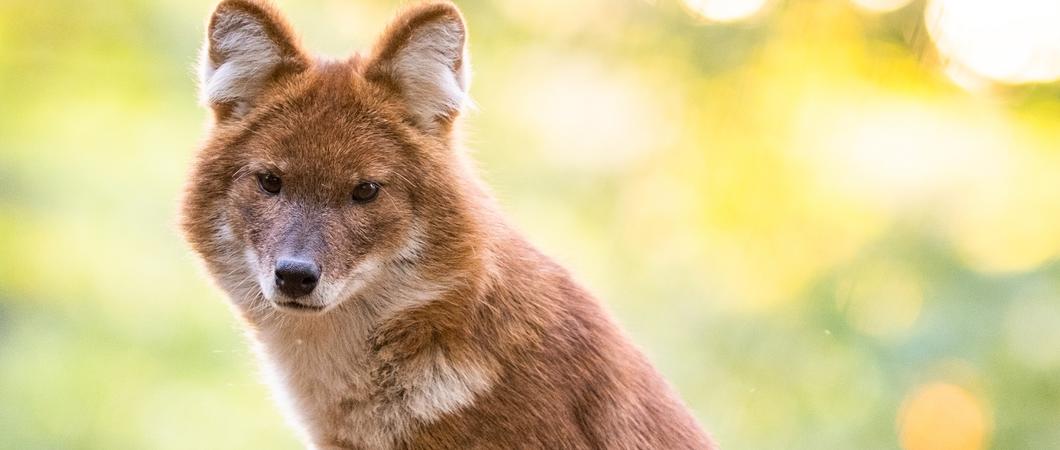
[422, 57]
[248, 46]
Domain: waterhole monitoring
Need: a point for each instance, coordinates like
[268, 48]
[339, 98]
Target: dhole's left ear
[248, 47]
[422, 58]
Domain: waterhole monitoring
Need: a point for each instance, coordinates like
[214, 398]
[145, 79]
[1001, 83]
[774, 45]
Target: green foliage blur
[821, 239]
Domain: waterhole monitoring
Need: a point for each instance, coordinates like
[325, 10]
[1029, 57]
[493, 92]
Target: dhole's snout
[296, 277]
[297, 270]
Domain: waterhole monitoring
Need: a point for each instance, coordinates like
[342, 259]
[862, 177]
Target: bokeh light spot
[942, 416]
[900, 153]
[725, 10]
[881, 6]
[592, 117]
[1008, 224]
[1017, 41]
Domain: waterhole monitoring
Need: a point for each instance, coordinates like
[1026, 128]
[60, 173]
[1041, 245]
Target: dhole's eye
[270, 183]
[365, 192]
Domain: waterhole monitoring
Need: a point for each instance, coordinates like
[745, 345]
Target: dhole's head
[319, 177]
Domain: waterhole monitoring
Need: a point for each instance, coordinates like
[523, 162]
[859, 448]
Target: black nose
[296, 277]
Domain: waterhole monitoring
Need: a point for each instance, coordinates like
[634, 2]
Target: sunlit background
[833, 224]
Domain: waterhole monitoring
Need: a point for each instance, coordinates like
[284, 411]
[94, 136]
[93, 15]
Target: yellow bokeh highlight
[881, 6]
[943, 416]
[725, 10]
[1009, 225]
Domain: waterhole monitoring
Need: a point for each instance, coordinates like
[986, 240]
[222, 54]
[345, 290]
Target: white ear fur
[432, 70]
[238, 59]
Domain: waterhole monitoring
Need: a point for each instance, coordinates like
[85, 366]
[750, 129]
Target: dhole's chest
[340, 395]
[329, 395]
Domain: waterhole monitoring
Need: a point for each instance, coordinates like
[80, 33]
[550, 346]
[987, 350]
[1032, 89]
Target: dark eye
[270, 183]
[365, 192]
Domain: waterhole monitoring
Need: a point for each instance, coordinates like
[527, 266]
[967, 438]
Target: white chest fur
[325, 380]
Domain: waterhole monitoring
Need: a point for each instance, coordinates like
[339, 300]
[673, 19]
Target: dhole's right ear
[248, 47]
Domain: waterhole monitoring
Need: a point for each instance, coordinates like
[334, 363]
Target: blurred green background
[833, 224]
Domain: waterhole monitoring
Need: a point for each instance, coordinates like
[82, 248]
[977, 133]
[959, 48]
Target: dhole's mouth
[297, 307]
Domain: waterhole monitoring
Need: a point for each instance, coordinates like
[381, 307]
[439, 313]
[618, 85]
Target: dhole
[390, 302]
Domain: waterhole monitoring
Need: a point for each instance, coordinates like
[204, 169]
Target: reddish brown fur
[560, 374]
